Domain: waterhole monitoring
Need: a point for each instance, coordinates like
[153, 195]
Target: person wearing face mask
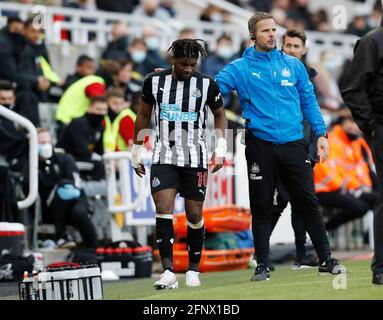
[153, 43]
[223, 54]
[62, 200]
[82, 138]
[346, 181]
[138, 52]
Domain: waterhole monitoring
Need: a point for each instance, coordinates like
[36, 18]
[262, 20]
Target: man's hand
[43, 84]
[139, 168]
[323, 148]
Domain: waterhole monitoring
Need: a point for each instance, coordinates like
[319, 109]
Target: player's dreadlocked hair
[187, 48]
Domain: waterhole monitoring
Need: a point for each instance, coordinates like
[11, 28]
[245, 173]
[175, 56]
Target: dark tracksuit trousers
[291, 160]
[75, 213]
[376, 145]
[283, 198]
[351, 206]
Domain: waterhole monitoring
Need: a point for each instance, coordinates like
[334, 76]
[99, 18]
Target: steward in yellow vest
[75, 100]
[119, 124]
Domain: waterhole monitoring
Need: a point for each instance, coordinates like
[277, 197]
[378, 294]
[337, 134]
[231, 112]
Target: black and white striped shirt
[180, 116]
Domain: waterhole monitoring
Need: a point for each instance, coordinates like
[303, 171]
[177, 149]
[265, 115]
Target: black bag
[12, 267]
[83, 256]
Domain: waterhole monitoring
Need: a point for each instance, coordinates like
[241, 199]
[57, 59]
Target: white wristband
[136, 155]
[220, 150]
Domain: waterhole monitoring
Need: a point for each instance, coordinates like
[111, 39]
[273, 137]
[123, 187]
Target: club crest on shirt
[196, 93]
[286, 72]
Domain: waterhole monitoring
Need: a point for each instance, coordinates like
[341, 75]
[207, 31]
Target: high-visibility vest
[74, 103]
[329, 176]
[113, 141]
[48, 71]
[346, 168]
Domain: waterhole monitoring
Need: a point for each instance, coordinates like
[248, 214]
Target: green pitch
[285, 283]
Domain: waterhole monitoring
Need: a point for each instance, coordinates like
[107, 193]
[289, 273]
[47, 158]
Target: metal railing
[123, 159]
[33, 155]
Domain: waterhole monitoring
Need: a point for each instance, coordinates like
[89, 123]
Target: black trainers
[262, 273]
[331, 266]
[309, 261]
[377, 278]
[270, 266]
[253, 263]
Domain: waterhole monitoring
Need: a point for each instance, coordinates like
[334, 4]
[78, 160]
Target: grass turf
[285, 283]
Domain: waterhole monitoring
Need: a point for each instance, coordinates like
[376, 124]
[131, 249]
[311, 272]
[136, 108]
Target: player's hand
[139, 168]
[217, 163]
[323, 148]
[140, 171]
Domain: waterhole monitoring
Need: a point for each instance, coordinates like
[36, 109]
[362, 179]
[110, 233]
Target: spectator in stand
[152, 8]
[123, 6]
[82, 138]
[13, 138]
[301, 12]
[213, 13]
[10, 40]
[130, 82]
[119, 123]
[34, 62]
[138, 52]
[168, 5]
[118, 46]
[346, 181]
[329, 96]
[62, 201]
[85, 66]
[321, 21]
[358, 26]
[375, 16]
[75, 100]
[222, 55]
[280, 16]
[153, 43]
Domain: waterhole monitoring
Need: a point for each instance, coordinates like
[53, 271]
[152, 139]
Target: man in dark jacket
[13, 139]
[83, 137]
[11, 39]
[62, 201]
[29, 64]
[362, 92]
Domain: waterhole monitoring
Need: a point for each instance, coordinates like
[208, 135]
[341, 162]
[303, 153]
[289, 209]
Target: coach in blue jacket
[276, 94]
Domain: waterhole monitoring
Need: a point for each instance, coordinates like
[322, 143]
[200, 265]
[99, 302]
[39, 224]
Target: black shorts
[190, 182]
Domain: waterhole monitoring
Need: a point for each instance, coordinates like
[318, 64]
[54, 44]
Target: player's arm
[215, 103]
[142, 123]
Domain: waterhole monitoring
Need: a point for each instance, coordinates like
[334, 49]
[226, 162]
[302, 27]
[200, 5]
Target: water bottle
[23, 290]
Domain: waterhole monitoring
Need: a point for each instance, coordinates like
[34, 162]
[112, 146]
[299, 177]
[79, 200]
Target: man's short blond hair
[258, 16]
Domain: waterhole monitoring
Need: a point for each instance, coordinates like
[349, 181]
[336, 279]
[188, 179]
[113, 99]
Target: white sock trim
[164, 216]
[195, 226]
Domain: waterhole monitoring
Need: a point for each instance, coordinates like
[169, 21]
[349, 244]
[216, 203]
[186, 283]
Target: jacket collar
[251, 53]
